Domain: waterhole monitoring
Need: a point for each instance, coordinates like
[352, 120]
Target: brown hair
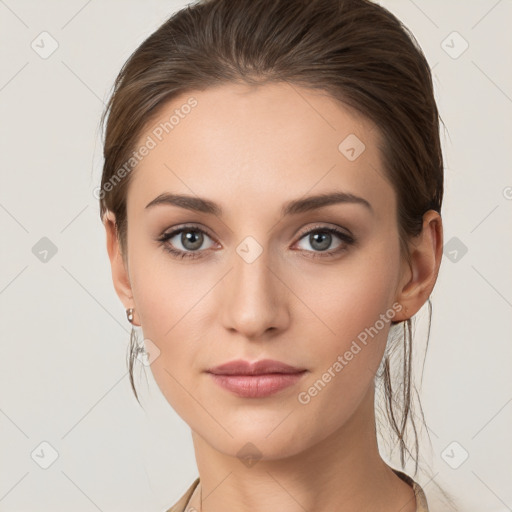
[354, 50]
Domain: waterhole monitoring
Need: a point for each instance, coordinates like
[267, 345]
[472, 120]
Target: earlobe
[422, 272]
[120, 276]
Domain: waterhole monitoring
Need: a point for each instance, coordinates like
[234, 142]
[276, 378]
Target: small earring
[129, 315]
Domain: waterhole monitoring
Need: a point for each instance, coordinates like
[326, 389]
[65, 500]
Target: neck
[342, 472]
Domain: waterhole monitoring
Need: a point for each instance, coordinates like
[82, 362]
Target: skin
[252, 149]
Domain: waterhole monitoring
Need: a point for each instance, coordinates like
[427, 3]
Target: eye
[321, 238]
[191, 239]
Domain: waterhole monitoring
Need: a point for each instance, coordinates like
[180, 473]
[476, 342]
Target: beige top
[421, 500]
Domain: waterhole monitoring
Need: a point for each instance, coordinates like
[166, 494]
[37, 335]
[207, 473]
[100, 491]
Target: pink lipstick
[256, 380]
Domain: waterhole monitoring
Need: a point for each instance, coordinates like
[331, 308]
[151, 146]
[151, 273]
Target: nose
[254, 298]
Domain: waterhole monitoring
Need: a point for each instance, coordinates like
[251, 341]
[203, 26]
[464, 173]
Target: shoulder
[181, 504]
[421, 499]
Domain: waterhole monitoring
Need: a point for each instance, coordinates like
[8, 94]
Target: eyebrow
[294, 207]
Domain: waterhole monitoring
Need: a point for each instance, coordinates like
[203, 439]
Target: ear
[419, 277]
[120, 275]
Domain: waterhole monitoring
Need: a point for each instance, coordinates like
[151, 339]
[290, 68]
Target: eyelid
[326, 226]
[182, 227]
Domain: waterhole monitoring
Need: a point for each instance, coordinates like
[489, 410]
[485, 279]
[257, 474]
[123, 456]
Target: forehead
[235, 143]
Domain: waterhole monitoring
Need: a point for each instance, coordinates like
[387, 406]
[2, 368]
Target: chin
[258, 444]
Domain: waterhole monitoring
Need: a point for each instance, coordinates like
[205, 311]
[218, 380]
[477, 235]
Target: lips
[263, 367]
[256, 380]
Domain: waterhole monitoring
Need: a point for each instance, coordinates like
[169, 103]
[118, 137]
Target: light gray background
[63, 377]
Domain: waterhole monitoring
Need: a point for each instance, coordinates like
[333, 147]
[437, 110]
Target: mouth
[256, 380]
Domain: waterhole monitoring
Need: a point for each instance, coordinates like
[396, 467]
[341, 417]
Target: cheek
[165, 292]
[348, 298]
[168, 300]
[352, 306]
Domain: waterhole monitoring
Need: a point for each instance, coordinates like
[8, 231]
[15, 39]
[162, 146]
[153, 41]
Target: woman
[271, 194]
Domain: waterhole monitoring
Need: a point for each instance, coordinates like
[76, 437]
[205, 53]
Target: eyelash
[346, 239]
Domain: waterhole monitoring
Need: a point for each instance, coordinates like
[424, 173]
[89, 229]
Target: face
[252, 281]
